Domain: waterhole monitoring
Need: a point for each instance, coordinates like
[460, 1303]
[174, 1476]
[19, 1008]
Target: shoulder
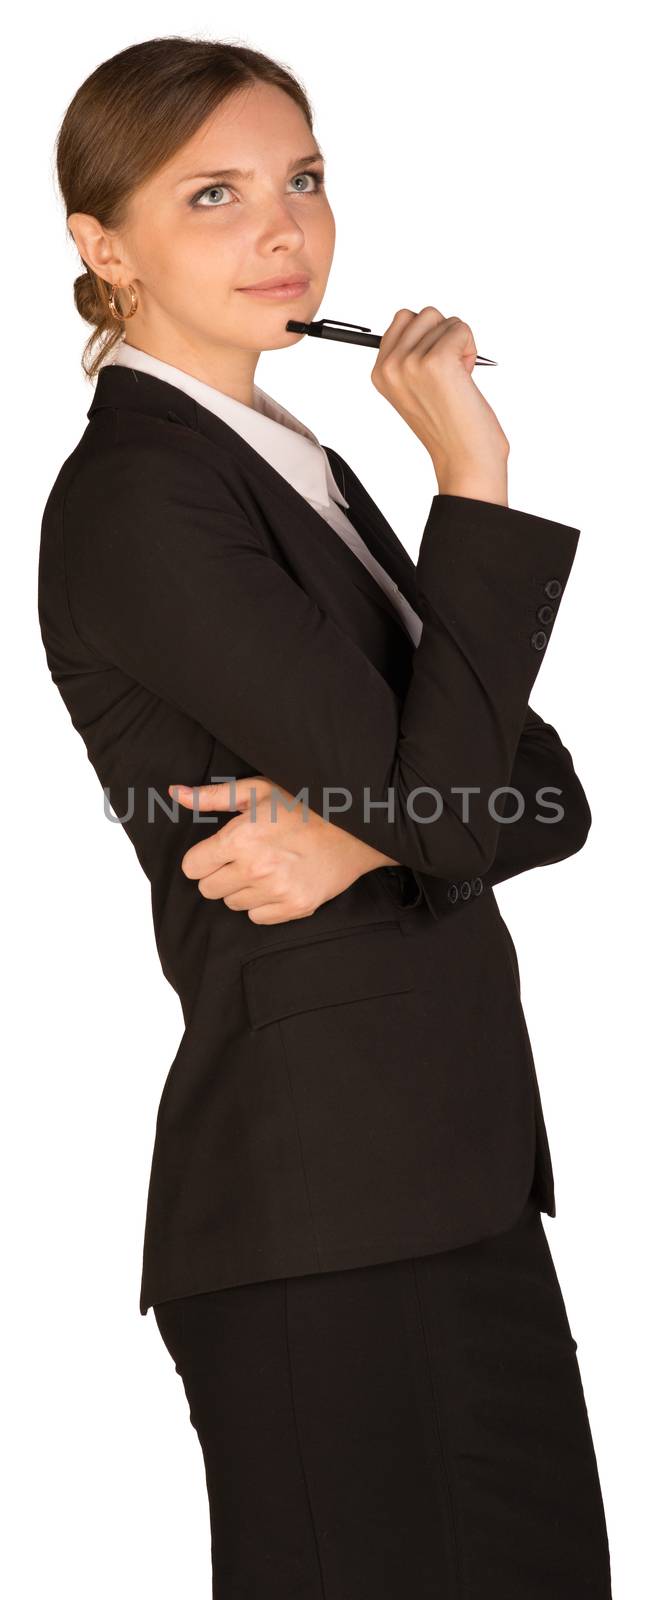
[132, 460]
[149, 494]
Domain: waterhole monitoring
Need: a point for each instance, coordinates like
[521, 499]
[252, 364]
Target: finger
[273, 912]
[260, 897]
[211, 855]
[225, 885]
[201, 797]
[453, 333]
[232, 795]
[392, 334]
[428, 324]
[236, 893]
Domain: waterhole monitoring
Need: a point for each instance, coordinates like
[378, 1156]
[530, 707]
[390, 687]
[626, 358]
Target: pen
[353, 333]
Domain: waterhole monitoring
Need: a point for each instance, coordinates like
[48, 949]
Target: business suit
[355, 1090]
[280, 1145]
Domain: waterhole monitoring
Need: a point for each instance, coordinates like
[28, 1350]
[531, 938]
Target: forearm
[545, 812]
[546, 799]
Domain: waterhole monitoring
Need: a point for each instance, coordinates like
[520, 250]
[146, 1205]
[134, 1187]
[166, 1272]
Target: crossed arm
[170, 581]
[268, 864]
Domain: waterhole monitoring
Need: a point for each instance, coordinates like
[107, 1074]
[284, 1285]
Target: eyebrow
[237, 172]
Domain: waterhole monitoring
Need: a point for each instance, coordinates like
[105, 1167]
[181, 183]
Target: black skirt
[402, 1431]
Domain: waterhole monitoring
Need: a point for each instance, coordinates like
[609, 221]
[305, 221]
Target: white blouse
[291, 448]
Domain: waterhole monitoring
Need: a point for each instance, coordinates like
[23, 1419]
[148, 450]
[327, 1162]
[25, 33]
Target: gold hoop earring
[122, 316]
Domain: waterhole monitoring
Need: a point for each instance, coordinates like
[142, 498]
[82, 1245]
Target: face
[197, 234]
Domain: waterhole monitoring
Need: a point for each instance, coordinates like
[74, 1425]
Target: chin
[283, 339]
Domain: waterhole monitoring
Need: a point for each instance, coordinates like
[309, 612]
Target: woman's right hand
[423, 368]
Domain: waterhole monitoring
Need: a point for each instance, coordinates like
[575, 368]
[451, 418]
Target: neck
[226, 368]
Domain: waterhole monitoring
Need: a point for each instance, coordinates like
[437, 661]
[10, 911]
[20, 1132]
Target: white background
[497, 162]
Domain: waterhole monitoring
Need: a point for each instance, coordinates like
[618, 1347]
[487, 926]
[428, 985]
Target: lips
[299, 281]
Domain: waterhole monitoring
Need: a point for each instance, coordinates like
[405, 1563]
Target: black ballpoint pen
[354, 333]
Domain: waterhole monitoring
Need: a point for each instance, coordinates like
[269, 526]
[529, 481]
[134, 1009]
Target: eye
[317, 179]
[221, 188]
[217, 188]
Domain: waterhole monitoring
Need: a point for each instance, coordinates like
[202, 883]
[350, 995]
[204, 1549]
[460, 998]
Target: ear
[96, 247]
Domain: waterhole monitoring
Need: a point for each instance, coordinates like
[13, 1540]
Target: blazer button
[539, 639]
[452, 893]
[477, 885]
[465, 889]
[545, 613]
[552, 588]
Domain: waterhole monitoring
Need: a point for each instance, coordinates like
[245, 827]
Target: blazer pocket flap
[327, 972]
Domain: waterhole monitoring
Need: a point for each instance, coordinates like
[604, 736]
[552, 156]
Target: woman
[343, 1246]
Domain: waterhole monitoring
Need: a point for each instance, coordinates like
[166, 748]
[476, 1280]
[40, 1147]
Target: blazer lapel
[375, 529]
[306, 522]
[318, 557]
[328, 570]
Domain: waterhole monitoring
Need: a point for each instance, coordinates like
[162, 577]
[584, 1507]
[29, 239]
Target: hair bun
[87, 299]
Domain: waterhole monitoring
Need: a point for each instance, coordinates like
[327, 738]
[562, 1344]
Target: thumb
[232, 795]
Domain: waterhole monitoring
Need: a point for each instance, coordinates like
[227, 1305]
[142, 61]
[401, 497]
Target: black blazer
[355, 1086]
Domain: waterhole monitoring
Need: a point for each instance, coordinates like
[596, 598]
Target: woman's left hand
[276, 864]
